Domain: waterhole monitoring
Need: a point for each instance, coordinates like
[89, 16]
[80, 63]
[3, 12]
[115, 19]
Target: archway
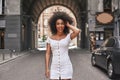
[34, 8]
[43, 30]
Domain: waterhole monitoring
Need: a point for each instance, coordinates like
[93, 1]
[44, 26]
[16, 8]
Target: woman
[58, 43]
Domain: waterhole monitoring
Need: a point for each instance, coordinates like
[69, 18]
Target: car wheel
[110, 70]
[93, 60]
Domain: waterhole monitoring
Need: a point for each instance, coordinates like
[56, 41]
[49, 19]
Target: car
[107, 56]
[41, 44]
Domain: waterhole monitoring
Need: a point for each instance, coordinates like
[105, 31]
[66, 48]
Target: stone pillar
[13, 25]
[83, 36]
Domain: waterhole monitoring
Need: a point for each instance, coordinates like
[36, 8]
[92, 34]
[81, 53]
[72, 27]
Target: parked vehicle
[107, 56]
[41, 44]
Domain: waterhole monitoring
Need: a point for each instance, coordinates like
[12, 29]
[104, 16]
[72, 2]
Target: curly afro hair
[59, 15]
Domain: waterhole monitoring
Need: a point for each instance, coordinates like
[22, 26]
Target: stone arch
[35, 7]
[66, 3]
[55, 5]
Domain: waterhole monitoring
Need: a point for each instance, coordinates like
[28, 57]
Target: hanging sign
[104, 18]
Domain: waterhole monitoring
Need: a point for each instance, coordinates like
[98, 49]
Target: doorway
[2, 33]
[108, 33]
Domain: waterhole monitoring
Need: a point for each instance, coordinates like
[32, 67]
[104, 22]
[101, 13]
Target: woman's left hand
[67, 24]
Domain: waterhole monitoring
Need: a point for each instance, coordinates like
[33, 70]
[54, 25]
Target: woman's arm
[75, 30]
[47, 60]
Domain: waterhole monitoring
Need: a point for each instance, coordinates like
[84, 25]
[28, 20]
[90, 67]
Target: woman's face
[60, 25]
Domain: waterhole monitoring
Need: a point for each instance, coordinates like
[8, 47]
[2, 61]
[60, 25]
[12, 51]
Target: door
[108, 33]
[2, 38]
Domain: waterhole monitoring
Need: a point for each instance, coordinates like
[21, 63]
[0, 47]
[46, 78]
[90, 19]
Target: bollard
[3, 56]
[10, 53]
[14, 52]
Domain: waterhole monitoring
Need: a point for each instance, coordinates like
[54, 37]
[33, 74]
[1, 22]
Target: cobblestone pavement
[31, 67]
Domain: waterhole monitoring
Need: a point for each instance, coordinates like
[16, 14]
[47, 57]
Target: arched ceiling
[35, 7]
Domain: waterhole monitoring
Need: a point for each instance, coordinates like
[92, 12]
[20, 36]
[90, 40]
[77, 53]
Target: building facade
[10, 28]
[18, 21]
[103, 19]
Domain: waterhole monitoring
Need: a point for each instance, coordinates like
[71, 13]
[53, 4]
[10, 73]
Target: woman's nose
[61, 25]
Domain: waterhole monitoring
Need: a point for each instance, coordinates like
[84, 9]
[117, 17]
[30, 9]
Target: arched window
[107, 5]
[2, 6]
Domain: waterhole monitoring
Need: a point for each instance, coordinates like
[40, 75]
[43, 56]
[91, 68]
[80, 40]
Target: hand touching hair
[59, 15]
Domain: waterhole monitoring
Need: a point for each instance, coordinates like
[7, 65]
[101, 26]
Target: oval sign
[104, 18]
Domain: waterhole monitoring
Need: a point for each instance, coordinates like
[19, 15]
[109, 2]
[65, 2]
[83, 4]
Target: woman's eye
[57, 23]
[62, 23]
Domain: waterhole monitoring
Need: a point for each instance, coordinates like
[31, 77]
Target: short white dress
[61, 65]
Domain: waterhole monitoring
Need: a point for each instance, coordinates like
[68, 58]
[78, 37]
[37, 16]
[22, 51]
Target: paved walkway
[7, 55]
[31, 67]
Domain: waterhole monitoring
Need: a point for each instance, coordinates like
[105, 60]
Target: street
[31, 67]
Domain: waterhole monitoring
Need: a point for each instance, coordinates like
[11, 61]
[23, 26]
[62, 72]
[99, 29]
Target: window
[2, 6]
[110, 43]
[100, 6]
[108, 33]
[99, 35]
[107, 5]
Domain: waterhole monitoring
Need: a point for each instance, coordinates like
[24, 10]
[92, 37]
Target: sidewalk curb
[5, 61]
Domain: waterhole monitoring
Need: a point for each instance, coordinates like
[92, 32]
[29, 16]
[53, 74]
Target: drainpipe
[116, 23]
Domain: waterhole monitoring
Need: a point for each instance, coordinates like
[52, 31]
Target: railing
[6, 54]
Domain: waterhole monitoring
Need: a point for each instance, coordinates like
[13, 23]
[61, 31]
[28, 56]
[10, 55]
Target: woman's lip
[61, 29]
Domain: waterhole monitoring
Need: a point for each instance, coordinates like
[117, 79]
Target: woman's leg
[65, 79]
